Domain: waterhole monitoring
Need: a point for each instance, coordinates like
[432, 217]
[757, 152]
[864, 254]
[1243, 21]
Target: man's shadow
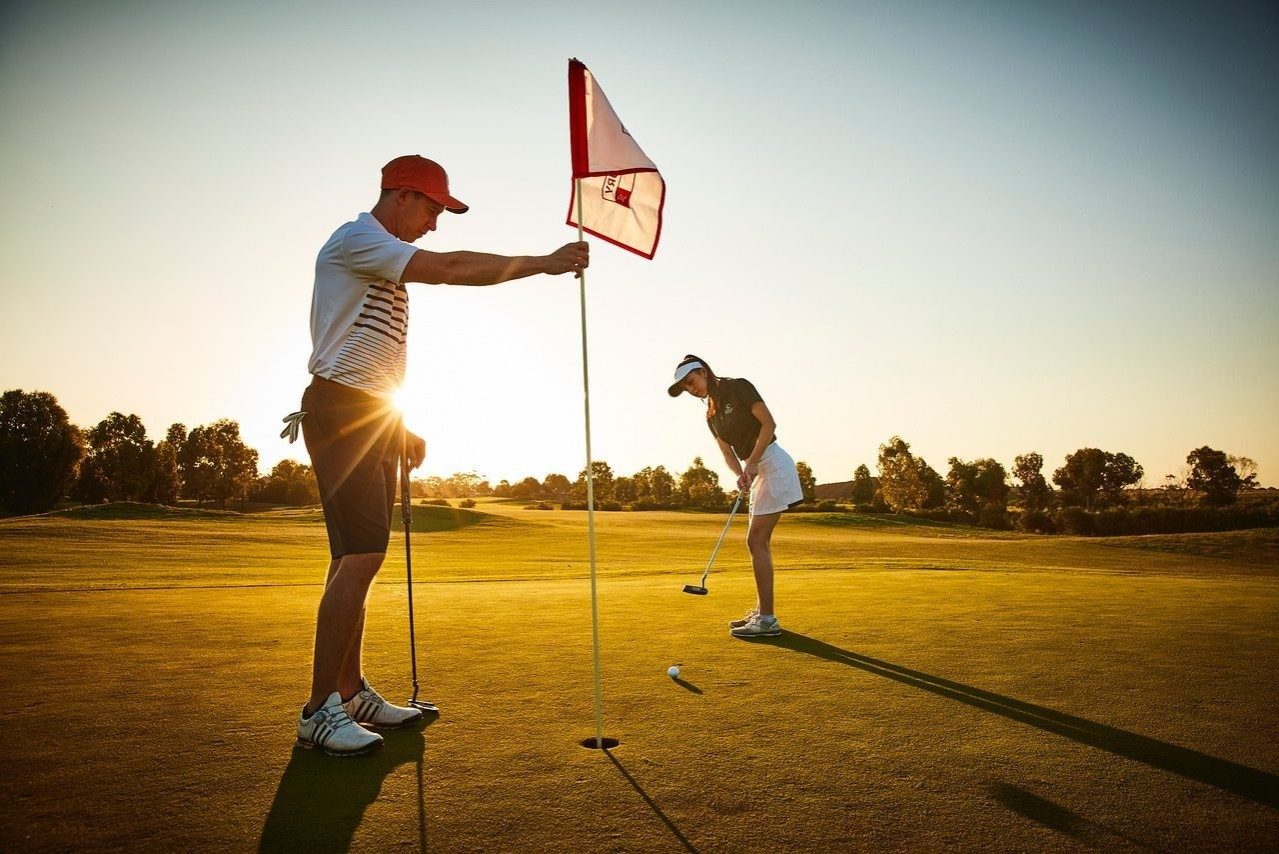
[1255, 785]
[321, 799]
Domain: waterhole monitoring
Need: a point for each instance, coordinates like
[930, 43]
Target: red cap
[426, 176]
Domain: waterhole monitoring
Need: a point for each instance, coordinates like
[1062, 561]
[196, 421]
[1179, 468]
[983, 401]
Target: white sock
[767, 617]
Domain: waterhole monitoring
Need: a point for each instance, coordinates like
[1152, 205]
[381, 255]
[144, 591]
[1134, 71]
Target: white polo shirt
[359, 309]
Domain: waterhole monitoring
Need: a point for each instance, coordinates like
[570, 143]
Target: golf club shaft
[406, 515]
[722, 534]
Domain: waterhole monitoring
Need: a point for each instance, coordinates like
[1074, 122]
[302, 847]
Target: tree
[40, 452]
[290, 482]
[1246, 468]
[1090, 473]
[624, 489]
[466, 484]
[165, 483]
[431, 486]
[556, 486]
[602, 475]
[1212, 474]
[641, 484]
[976, 486]
[961, 486]
[1121, 471]
[502, 490]
[222, 466]
[1082, 476]
[699, 486]
[177, 436]
[654, 485]
[121, 461]
[1035, 491]
[527, 489]
[863, 485]
[807, 482]
[934, 486]
[661, 485]
[899, 476]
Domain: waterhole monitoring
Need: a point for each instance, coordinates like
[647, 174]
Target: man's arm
[416, 448]
[480, 268]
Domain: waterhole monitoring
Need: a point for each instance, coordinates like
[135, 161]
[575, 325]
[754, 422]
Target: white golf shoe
[332, 730]
[369, 708]
[758, 626]
[737, 624]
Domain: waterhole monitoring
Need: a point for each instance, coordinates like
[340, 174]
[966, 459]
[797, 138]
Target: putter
[700, 589]
[405, 514]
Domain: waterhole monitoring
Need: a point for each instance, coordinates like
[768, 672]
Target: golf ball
[673, 671]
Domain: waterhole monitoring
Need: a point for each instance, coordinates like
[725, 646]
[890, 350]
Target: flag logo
[618, 189]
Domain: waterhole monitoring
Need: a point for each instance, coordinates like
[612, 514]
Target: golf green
[936, 687]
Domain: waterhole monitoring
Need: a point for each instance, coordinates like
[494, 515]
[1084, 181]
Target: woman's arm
[767, 428]
[730, 458]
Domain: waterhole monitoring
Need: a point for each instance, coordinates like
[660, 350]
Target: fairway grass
[110, 548]
[937, 687]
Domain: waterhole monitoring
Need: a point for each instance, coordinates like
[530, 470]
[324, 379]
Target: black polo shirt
[733, 420]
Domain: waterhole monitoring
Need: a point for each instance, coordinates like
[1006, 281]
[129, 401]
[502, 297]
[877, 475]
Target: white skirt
[776, 487]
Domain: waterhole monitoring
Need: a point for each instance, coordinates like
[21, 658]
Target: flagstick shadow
[421, 809]
[321, 800]
[1259, 786]
[670, 825]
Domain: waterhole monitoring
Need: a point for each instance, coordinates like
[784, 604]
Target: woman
[745, 430]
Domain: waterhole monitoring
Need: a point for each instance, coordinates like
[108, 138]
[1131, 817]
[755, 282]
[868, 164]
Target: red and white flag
[622, 192]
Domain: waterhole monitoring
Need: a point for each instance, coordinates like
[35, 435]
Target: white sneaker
[758, 627]
[737, 624]
[369, 708]
[332, 730]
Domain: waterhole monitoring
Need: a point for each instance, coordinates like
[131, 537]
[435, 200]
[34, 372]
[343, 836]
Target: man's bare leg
[352, 674]
[340, 623]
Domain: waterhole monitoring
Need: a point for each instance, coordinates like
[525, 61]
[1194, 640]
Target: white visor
[676, 387]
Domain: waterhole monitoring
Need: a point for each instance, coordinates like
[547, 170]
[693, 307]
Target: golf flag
[621, 191]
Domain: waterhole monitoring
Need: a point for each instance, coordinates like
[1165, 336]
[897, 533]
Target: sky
[987, 227]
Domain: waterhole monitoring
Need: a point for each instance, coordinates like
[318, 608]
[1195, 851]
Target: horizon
[1146, 484]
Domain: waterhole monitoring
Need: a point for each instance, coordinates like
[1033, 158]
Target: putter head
[424, 707]
[695, 590]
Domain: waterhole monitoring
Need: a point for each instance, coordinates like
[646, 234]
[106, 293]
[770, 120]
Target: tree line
[44, 459]
[1090, 480]
[651, 488]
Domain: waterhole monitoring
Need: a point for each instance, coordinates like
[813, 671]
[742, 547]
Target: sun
[411, 407]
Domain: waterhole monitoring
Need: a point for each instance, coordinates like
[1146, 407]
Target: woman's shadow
[321, 799]
[1259, 786]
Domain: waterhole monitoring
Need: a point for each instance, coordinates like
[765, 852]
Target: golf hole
[609, 743]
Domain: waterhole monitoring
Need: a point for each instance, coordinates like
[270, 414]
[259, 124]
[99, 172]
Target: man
[359, 326]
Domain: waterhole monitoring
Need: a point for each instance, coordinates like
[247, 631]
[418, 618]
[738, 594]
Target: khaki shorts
[354, 439]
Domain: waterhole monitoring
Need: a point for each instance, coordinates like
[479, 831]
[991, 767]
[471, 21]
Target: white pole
[590, 494]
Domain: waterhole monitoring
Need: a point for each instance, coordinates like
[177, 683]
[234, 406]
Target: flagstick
[590, 494]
